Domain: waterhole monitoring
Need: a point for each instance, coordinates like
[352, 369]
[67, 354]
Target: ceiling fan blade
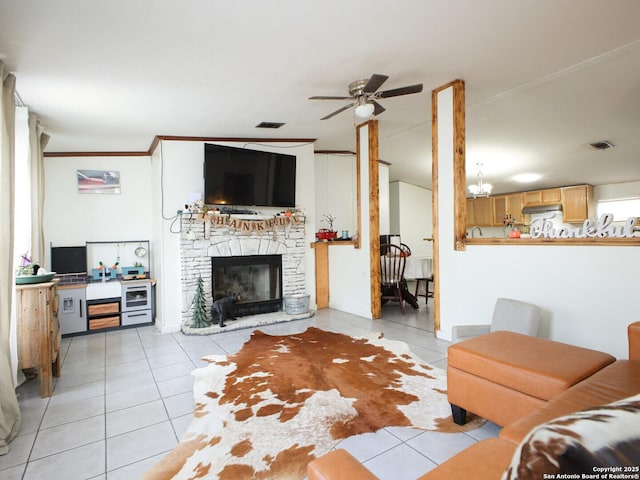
[374, 83]
[338, 111]
[400, 91]
[377, 108]
[325, 97]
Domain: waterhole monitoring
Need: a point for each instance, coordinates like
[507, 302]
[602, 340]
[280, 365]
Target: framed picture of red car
[98, 181]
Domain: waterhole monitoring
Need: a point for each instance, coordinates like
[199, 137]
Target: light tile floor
[124, 399]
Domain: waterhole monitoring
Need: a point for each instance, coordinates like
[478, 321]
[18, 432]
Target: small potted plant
[509, 222]
[327, 233]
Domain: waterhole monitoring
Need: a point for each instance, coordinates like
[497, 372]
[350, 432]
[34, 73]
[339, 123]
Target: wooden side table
[39, 331]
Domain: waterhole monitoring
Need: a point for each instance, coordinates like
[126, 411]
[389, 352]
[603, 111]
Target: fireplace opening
[256, 278]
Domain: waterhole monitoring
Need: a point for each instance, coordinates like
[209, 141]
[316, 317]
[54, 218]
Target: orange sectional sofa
[584, 401]
[503, 376]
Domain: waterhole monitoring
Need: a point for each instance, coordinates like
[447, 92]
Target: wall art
[98, 181]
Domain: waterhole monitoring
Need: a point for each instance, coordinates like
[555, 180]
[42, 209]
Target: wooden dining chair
[392, 265]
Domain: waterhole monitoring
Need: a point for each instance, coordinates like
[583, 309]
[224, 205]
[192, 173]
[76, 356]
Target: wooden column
[374, 214]
[322, 274]
[460, 204]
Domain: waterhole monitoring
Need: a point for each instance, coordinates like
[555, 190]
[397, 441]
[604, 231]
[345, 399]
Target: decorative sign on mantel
[603, 228]
[254, 225]
[249, 225]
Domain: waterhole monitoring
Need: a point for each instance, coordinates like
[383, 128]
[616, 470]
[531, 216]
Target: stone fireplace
[209, 237]
[256, 279]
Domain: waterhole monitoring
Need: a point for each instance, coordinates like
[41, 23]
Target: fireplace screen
[256, 278]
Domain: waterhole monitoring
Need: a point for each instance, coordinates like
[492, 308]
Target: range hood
[556, 207]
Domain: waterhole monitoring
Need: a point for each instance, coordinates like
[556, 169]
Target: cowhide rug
[282, 401]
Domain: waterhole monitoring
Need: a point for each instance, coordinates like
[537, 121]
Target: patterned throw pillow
[594, 443]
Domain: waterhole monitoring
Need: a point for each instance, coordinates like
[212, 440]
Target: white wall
[152, 190]
[349, 268]
[616, 191]
[335, 191]
[588, 294]
[71, 218]
[383, 200]
[177, 171]
[394, 208]
[411, 216]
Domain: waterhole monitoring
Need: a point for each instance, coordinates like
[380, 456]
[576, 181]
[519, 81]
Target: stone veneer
[201, 239]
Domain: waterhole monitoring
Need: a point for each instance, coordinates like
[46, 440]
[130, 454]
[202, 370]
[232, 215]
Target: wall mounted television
[242, 177]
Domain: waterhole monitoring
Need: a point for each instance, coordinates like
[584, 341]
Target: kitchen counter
[84, 281]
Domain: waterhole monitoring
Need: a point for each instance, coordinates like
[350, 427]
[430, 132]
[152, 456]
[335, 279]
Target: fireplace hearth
[257, 279]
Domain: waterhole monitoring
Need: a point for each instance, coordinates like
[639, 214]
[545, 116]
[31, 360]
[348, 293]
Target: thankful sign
[602, 228]
[258, 225]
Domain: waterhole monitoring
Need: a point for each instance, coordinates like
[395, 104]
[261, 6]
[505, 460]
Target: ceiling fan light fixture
[363, 95]
[364, 110]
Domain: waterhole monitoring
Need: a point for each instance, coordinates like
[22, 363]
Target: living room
[587, 293]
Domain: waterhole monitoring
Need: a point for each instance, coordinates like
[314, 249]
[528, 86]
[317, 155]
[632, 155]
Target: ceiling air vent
[602, 145]
[270, 125]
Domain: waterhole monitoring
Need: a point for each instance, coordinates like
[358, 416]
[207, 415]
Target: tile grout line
[104, 400]
[155, 382]
[231, 345]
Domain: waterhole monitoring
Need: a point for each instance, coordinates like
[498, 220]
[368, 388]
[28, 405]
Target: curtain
[9, 410]
[37, 142]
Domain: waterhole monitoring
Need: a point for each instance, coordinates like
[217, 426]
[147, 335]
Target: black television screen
[66, 260]
[241, 177]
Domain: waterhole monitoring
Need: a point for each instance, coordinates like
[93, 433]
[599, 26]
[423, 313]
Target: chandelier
[481, 189]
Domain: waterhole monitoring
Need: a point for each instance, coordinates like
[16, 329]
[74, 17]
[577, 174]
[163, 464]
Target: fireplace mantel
[204, 236]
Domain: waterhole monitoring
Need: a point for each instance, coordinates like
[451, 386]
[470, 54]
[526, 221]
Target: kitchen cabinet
[577, 203]
[507, 205]
[491, 211]
[499, 210]
[38, 331]
[471, 212]
[71, 310]
[542, 197]
[514, 207]
[483, 208]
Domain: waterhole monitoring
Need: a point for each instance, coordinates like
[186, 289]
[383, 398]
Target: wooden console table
[39, 331]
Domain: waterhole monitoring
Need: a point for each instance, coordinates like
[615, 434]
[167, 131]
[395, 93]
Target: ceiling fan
[363, 95]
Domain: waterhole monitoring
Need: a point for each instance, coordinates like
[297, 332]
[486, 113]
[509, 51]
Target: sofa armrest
[634, 341]
[338, 465]
[485, 460]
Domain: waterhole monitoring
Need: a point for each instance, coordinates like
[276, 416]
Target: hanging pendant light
[481, 189]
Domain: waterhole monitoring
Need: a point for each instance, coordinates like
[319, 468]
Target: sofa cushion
[581, 443]
[535, 366]
[618, 380]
